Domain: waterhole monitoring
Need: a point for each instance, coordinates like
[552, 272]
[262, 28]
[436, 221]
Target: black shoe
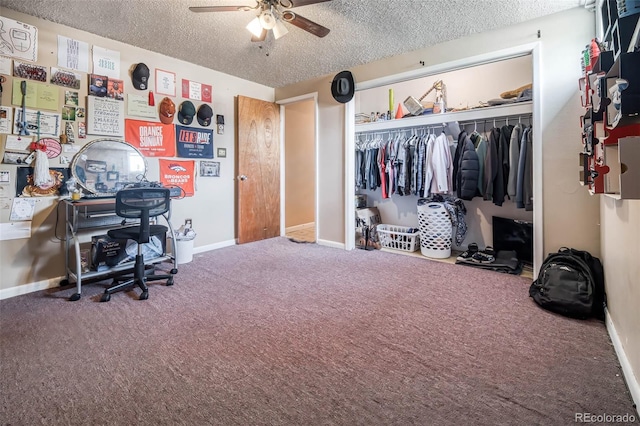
[485, 256]
[468, 253]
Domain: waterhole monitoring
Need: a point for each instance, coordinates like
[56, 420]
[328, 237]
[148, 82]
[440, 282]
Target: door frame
[533, 49]
[283, 103]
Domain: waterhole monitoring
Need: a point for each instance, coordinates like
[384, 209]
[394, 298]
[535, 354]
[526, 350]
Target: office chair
[140, 203]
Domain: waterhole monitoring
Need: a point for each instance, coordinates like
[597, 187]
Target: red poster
[178, 173]
[196, 91]
[152, 139]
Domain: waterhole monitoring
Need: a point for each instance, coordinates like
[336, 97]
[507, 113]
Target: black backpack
[571, 283]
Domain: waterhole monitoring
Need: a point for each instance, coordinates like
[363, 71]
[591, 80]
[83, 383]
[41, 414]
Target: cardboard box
[368, 216]
[367, 219]
[106, 252]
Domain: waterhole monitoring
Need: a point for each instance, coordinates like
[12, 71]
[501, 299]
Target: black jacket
[467, 168]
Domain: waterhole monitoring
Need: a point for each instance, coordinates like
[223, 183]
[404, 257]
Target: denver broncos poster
[178, 173]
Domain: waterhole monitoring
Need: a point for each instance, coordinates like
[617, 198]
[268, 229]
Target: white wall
[38, 262]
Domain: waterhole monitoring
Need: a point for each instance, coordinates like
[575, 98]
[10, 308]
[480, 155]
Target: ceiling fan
[270, 15]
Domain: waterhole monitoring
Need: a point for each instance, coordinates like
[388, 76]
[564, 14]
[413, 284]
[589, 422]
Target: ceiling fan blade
[298, 3]
[305, 24]
[263, 35]
[200, 9]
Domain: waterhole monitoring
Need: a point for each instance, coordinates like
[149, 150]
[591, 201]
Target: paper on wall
[19, 40]
[6, 118]
[106, 62]
[73, 54]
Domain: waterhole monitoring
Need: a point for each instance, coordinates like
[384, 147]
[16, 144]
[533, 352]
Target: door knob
[242, 177]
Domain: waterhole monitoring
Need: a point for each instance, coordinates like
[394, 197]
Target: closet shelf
[479, 114]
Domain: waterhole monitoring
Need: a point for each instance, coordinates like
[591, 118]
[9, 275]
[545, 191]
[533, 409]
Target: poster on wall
[37, 95]
[194, 142]
[178, 173]
[196, 91]
[18, 40]
[26, 188]
[106, 62]
[105, 116]
[165, 82]
[38, 122]
[138, 106]
[151, 138]
[73, 54]
[6, 118]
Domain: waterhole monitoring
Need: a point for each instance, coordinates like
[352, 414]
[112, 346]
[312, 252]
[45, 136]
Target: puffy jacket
[468, 168]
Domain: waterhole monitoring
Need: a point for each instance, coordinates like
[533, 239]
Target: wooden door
[258, 170]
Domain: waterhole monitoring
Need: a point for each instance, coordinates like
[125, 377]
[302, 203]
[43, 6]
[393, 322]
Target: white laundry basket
[435, 230]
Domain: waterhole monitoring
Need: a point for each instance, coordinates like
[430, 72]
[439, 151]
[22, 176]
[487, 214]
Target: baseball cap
[186, 112]
[204, 115]
[140, 77]
[167, 111]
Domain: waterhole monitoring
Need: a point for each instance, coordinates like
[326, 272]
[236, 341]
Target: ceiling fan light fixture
[267, 20]
[255, 27]
[279, 29]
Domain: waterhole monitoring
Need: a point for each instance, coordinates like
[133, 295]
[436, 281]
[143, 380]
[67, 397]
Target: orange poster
[152, 139]
[178, 173]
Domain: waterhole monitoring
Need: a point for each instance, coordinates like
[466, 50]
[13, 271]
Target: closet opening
[473, 93]
[299, 159]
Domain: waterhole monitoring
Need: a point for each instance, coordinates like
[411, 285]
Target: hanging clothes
[442, 166]
[491, 163]
[522, 160]
[480, 144]
[466, 168]
[514, 155]
[528, 174]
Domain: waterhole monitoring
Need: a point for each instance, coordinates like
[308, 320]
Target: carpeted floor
[280, 333]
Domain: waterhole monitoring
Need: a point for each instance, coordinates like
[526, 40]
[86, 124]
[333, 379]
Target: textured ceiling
[361, 30]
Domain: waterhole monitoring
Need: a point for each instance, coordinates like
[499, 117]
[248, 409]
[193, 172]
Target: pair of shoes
[485, 256]
[468, 253]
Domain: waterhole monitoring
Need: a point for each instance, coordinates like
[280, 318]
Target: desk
[93, 214]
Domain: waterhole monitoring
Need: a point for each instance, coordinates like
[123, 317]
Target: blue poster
[193, 142]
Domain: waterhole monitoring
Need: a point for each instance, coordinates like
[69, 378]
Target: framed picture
[95, 166]
[222, 152]
[165, 82]
[210, 168]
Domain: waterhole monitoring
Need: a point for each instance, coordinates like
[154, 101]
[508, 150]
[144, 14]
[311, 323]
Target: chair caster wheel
[170, 281]
[144, 295]
[105, 297]
[174, 271]
[74, 297]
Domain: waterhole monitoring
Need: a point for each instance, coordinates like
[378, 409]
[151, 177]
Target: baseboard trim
[209, 247]
[55, 282]
[328, 243]
[300, 227]
[627, 371]
[19, 290]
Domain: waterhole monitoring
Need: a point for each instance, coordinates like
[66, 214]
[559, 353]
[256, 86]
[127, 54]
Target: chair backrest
[142, 203]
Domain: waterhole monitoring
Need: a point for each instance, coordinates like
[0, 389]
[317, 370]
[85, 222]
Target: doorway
[299, 168]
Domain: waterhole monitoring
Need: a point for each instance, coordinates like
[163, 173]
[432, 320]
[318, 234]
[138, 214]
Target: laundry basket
[435, 230]
[400, 238]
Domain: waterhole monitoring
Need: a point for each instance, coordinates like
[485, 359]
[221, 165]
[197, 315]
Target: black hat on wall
[204, 115]
[343, 87]
[140, 76]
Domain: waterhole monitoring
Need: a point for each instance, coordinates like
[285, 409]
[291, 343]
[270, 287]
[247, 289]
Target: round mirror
[105, 166]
